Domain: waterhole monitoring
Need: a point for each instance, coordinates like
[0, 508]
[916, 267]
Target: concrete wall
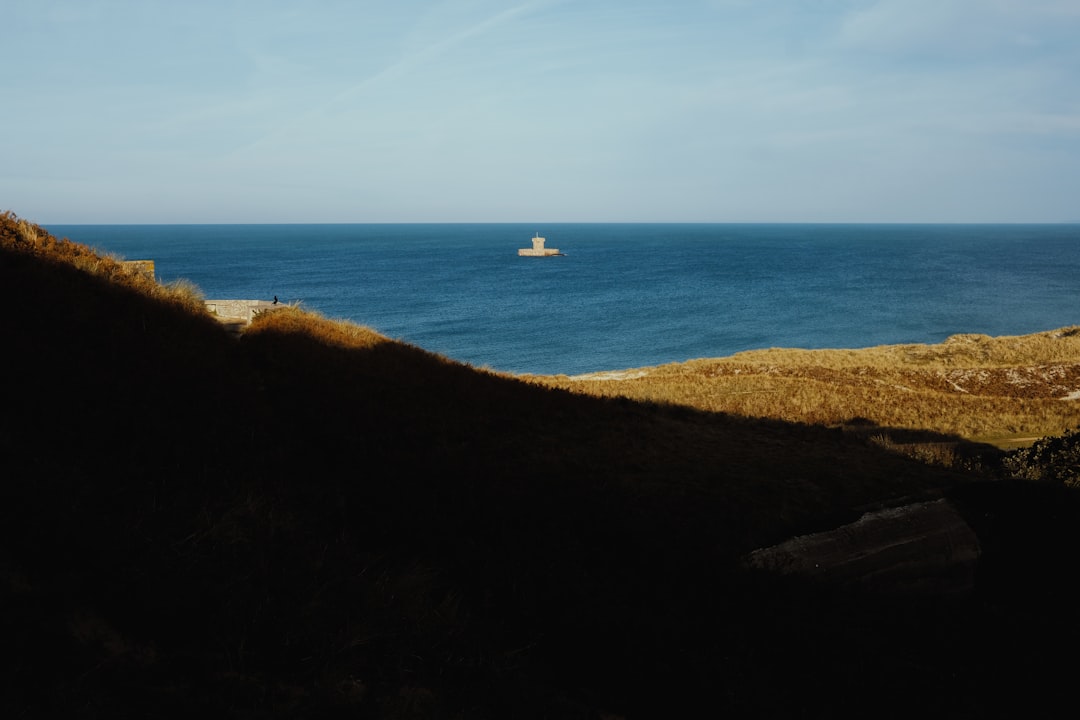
[238, 309]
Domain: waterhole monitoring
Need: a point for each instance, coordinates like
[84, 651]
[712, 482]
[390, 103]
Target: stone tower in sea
[538, 249]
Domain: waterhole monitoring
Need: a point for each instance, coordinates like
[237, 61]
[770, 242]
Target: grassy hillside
[314, 520]
[1006, 391]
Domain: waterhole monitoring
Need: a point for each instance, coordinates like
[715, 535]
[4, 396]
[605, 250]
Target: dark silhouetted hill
[316, 521]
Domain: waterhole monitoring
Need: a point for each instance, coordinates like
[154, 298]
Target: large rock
[925, 549]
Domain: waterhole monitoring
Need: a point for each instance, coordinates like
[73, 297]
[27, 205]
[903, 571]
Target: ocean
[630, 295]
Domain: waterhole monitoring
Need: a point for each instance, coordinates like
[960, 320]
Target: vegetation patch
[971, 387]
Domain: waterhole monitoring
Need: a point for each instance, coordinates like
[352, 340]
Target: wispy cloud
[400, 69]
[950, 28]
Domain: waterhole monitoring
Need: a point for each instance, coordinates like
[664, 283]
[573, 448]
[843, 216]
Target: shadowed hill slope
[315, 520]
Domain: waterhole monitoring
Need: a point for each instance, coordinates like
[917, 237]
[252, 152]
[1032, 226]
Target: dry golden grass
[338, 333]
[25, 237]
[1005, 390]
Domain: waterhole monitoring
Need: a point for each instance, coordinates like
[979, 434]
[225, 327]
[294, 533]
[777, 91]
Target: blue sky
[119, 111]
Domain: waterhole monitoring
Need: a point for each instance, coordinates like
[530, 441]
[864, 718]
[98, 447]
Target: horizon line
[570, 222]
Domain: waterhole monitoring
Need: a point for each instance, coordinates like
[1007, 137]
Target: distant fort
[538, 249]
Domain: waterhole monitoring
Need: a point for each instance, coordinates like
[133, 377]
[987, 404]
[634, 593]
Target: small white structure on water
[538, 249]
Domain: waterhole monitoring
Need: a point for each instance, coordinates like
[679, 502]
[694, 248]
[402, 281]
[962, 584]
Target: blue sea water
[631, 295]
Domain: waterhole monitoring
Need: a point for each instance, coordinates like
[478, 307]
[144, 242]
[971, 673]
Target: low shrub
[1052, 459]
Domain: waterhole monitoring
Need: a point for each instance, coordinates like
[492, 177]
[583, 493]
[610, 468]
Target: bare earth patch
[611, 375]
[1038, 381]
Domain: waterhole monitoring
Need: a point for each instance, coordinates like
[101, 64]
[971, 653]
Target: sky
[222, 111]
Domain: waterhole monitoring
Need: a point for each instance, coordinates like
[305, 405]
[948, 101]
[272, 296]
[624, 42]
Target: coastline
[1007, 391]
[631, 295]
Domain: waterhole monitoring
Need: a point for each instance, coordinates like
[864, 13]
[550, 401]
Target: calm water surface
[631, 295]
